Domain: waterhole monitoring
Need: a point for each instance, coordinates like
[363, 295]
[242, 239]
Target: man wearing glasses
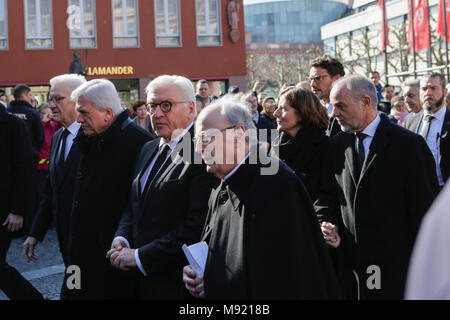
[259, 247]
[323, 72]
[169, 194]
[56, 203]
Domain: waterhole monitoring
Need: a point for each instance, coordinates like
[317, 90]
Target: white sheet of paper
[196, 254]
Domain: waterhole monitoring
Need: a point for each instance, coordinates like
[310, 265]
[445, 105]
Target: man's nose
[335, 113]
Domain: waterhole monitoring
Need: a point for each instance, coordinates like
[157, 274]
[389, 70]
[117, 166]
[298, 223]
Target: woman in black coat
[302, 143]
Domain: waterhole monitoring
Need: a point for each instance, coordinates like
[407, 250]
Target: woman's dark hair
[308, 107]
[138, 104]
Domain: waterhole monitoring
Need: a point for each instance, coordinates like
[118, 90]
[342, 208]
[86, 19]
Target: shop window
[3, 26]
[167, 23]
[81, 24]
[125, 23]
[38, 24]
[208, 22]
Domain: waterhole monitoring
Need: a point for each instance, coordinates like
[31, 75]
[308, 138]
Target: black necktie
[360, 148]
[60, 160]
[426, 126]
[158, 163]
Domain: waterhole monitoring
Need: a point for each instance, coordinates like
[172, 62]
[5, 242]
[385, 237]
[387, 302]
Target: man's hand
[258, 85]
[28, 249]
[13, 222]
[193, 282]
[118, 244]
[330, 234]
[122, 259]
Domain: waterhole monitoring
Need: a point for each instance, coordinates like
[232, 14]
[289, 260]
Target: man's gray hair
[411, 83]
[359, 86]
[70, 81]
[101, 93]
[184, 84]
[234, 111]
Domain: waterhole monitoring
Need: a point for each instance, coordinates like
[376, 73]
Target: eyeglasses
[165, 106]
[206, 139]
[318, 78]
[56, 100]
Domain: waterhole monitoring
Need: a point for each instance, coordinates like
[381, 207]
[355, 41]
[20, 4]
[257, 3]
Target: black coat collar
[101, 141]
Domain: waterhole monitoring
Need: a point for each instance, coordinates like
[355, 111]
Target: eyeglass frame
[56, 100]
[318, 78]
[153, 111]
[195, 139]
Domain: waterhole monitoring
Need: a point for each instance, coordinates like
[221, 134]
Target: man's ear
[335, 77]
[109, 115]
[367, 102]
[191, 107]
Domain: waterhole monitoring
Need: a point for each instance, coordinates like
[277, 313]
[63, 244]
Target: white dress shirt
[73, 131]
[370, 132]
[172, 143]
[433, 137]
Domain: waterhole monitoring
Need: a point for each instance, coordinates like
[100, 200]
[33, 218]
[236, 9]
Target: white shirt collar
[372, 127]
[74, 127]
[172, 143]
[438, 115]
[236, 168]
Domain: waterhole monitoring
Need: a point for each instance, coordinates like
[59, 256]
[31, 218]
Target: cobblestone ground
[47, 273]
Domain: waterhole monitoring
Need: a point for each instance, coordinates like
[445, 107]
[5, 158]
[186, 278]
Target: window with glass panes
[38, 24]
[82, 28]
[208, 22]
[125, 23]
[3, 26]
[167, 23]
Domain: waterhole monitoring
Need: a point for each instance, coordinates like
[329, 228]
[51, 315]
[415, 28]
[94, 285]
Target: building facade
[127, 41]
[293, 21]
[356, 40]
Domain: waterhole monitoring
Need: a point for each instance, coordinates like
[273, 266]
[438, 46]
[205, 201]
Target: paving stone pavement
[47, 273]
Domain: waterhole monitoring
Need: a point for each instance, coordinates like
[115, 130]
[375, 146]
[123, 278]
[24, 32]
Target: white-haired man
[169, 195]
[259, 247]
[381, 181]
[109, 146]
[64, 157]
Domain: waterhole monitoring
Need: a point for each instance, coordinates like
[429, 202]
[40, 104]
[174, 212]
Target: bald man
[381, 181]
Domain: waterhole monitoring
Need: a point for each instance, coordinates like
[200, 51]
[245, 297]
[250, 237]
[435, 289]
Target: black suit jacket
[413, 123]
[379, 214]
[58, 195]
[171, 213]
[16, 166]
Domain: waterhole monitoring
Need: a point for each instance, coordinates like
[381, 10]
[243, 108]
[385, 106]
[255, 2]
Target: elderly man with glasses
[169, 195]
[260, 247]
[56, 202]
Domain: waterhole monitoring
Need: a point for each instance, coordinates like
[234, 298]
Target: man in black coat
[22, 108]
[381, 181]
[259, 247]
[16, 163]
[434, 122]
[56, 203]
[169, 194]
[109, 145]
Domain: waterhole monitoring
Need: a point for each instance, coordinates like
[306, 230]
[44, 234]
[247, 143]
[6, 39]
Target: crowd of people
[318, 192]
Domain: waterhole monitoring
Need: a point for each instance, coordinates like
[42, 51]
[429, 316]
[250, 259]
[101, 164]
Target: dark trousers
[12, 283]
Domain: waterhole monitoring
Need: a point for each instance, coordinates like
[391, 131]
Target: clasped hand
[121, 256]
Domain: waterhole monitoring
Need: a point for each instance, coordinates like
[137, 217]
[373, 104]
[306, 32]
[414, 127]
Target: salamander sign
[107, 71]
